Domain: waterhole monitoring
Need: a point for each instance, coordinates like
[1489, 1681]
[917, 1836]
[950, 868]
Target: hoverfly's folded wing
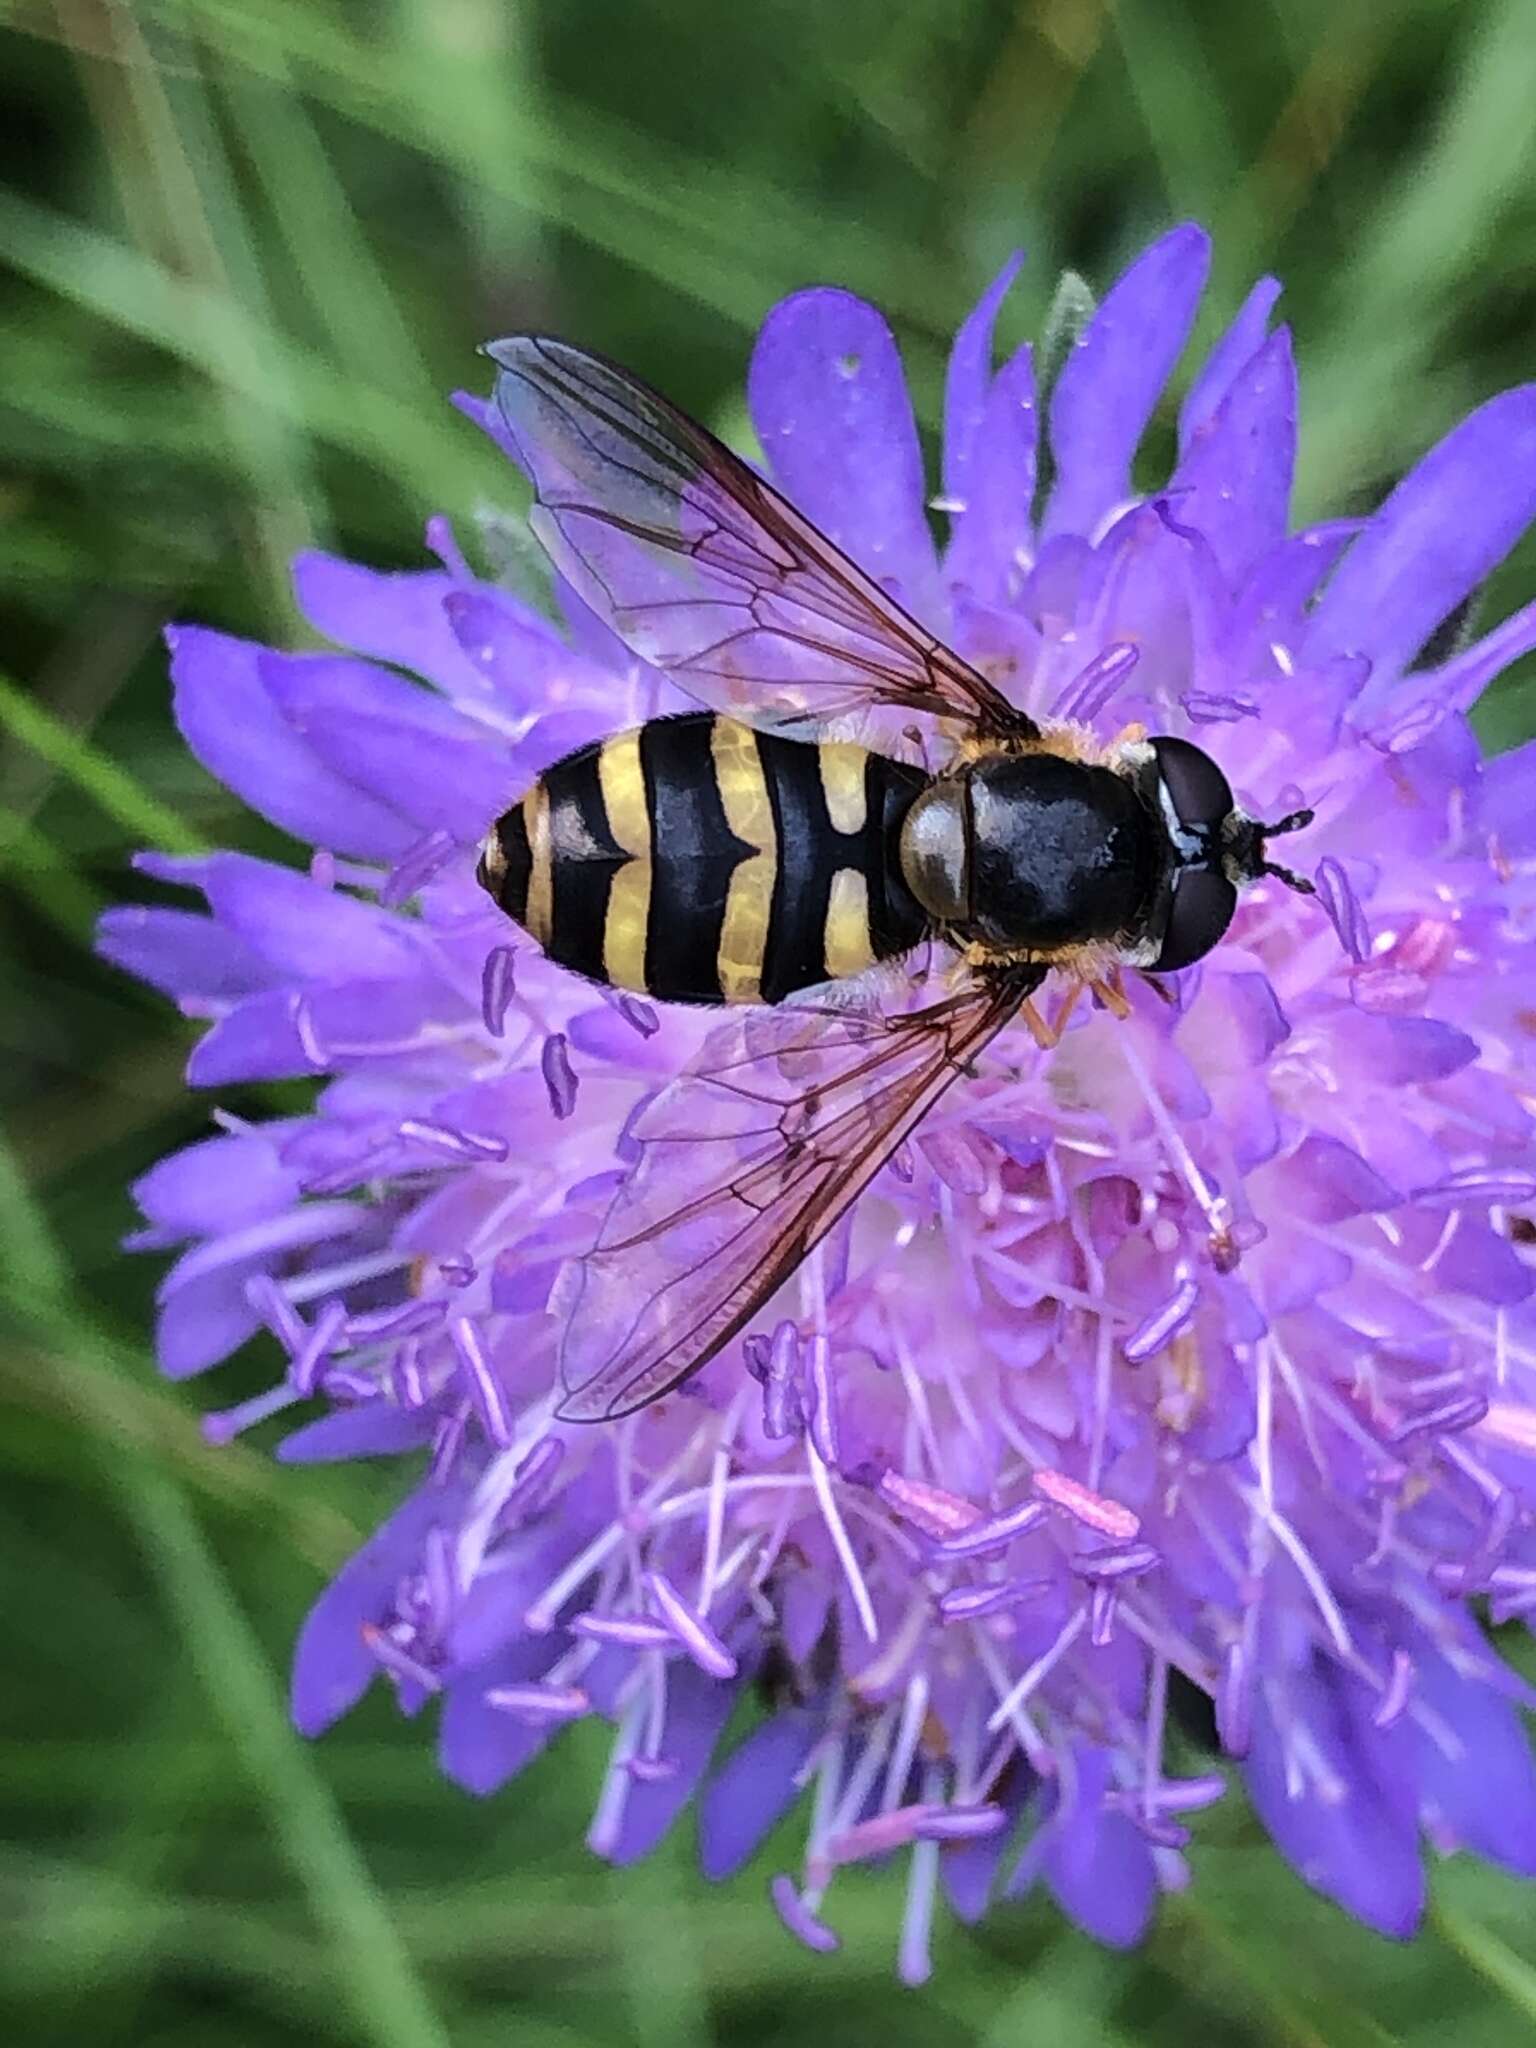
[746, 1161]
[704, 570]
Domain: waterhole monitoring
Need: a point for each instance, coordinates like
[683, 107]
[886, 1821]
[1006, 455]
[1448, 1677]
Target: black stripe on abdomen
[584, 855]
[694, 854]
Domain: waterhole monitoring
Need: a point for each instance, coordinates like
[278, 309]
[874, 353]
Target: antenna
[1294, 821]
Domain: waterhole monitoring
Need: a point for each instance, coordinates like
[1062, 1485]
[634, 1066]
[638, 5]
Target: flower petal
[301, 929]
[1349, 1837]
[697, 1710]
[442, 771]
[239, 735]
[1228, 359]
[1490, 1807]
[1234, 479]
[219, 1185]
[753, 1789]
[1113, 379]
[968, 381]
[179, 952]
[333, 1666]
[829, 401]
[371, 1429]
[1095, 1862]
[1452, 519]
[992, 539]
[395, 615]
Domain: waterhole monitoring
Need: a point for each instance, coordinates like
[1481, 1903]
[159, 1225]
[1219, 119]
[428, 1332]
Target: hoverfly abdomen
[697, 860]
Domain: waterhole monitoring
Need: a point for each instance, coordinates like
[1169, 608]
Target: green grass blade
[123, 799]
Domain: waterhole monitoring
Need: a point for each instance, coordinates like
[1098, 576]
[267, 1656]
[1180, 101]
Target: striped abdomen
[699, 861]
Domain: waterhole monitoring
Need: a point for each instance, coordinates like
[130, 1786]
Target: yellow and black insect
[742, 854]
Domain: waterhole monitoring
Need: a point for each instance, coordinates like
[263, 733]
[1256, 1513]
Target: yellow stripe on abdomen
[539, 916]
[627, 919]
[849, 946]
[744, 798]
[843, 765]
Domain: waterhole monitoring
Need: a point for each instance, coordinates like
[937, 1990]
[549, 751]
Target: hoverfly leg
[1128, 736]
[1111, 993]
[1161, 990]
[1048, 1035]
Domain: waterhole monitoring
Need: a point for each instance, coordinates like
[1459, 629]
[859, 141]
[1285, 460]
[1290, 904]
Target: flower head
[1196, 1352]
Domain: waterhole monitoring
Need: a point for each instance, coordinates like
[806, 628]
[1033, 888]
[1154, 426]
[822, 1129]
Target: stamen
[876, 1837]
[714, 1525]
[995, 1533]
[930, 1508]
[1212, 707]
[498, 985]
[608, 1819]
[960, 1823]
[225, 1425]
[864, 1607]
[914, 1708]
[539, 1703]
[1394, 1694]
[690, 1628]
[407, 1384]
[799, 1919]
[1264, 1424]
[484, 1385]
[1215, 1212]
[1039, 1671]
[1336, 894]
[559, 1076]
[652, 1770]
[1092, 688]
[1465, 1412]
[1316, 1584]
[400, 1320]
[455, 1141]
[532, 1480]
[447, 1443]
[416, 867]
[1156, 1725]
[304, 1029]
[1163, 1324]
[397, 1660]
[973, 1603]
[630, 1631]
[1107, 1565]
[344, 1383]
[1234, 1698]
[1102, 1604]
[639, 1016]
[914, 1960]
[1092, 1509]
[274, 1306]
[1476, 1185]
[823, 1402]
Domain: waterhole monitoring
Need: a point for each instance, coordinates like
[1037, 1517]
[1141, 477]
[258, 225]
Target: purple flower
[1198, 1352]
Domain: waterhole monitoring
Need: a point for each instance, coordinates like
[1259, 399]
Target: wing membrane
[746, 1161]
[703, 569]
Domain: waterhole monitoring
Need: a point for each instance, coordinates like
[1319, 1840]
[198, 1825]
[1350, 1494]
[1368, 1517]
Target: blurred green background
[246, 247]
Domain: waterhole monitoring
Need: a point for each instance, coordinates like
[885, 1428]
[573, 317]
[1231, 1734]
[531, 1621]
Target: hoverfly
[739, 855]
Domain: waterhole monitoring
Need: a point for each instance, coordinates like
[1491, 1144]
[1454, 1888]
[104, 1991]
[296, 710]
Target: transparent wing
[703, 569]
[746, 1161]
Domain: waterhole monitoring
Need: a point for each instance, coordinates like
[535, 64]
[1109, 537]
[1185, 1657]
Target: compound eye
[1199, 792]
[1201, 910]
